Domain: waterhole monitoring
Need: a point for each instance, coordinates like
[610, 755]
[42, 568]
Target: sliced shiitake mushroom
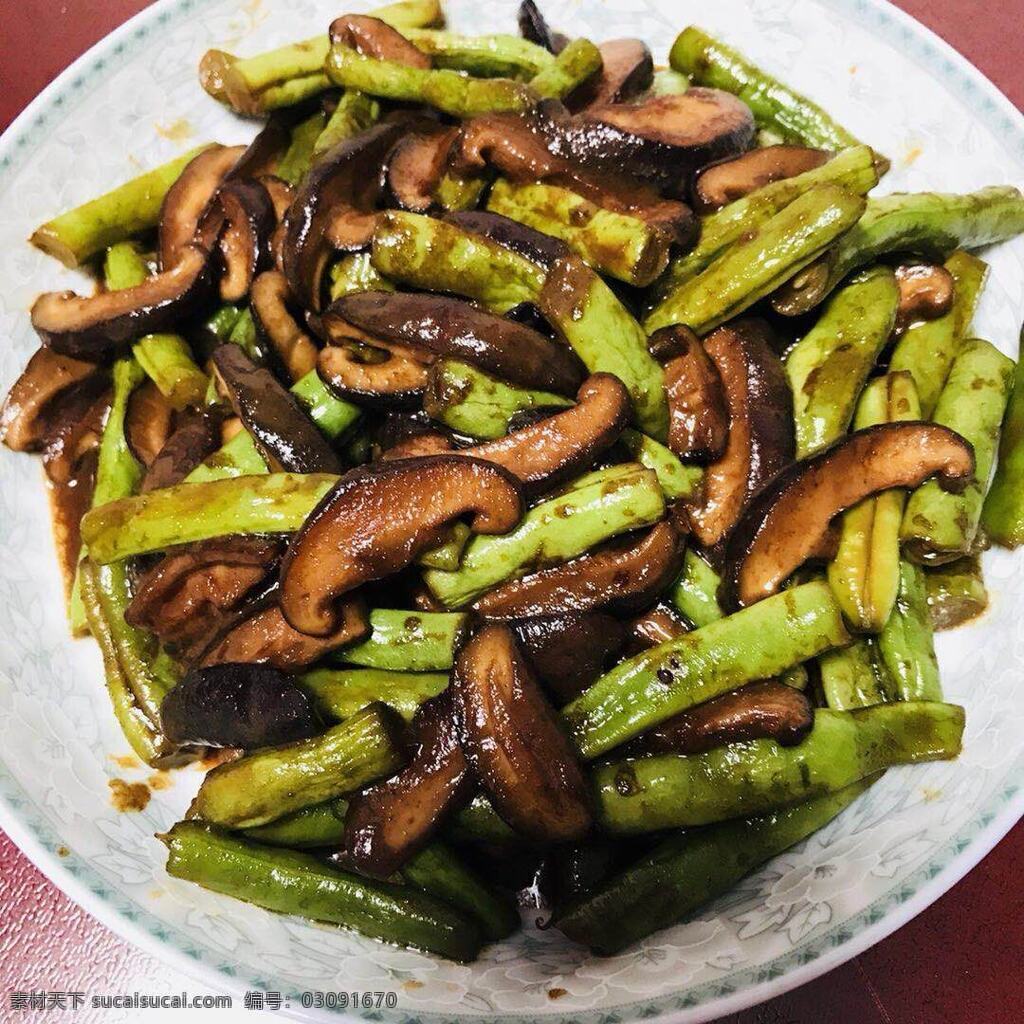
[533, 27]
[698, 425]
[149, 422]
[372, 375]
[387, 823]
[375, 521]
[418, 446]
[241, 220]
[266, 637]
[627, 70]
[333, 208]
[760, 438]
[766, 710]
[25, 417]
[519, 146]
[568, 652]
[188, 594]
[196, 435]
[544, 250]
[375, 38]
[566, 442]
[726, 181]
[244, 706]
[416, 165]
[622, 576]
[514, 742]
[187, 199]
[785, 522]
[926, 292]
[663, 140]
[451, 327]
[262, 155]
[98, 326]
[285, 436]
[276, 326]
[656, 626]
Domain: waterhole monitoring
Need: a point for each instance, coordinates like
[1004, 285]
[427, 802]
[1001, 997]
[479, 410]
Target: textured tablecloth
[960, 962]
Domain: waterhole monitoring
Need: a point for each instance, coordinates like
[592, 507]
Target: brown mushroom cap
[25, 421]
[627, 70]
[728, 180]
[765, 710]
[534, 27]
[96, 327]
[657, 626]
[563, 444]
[377, 377]
[187, 199]
[514, 742]
[926, 292]
[416, 165]
[375, 521]
[451, 327]
[267, 638]
[387, 823]
[568, 652]
[663, 140]
[624, 575]
[276, 326]
[196, 435]
[760, 440]
[149, 422]
[698, 425]
[333, 208]
[544, 250]
[285, 436]
[241, 219]
[786, 521]
[375, 38]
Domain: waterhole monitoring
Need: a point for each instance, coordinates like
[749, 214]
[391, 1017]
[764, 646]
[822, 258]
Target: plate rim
[74, 876]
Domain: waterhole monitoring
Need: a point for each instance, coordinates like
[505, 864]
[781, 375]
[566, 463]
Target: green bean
[906, 643]
[956, 593]
[602, 506]
[927, 349]
[676, 479]
[760, 261]
[853, 169]
[937, 526]
[131, 208]
[741, 779]
[159, 519]
[408, 641]
[438, 871]
[618, 244]
[668, 82]
[313, 826]
[411, 14]
[298, 883]
[827, 368]
[589, 317]
[472, 402]
[275, 781]
[929, 222]
[239, 456]
[117, 472]
[864, 574]
[341, 692]
[756, 643]
[774, 105]
[457, 192]
[223, 321]
[1003, 512]
[165, 358]
[695, 593]
[354, 113]
[355, 273]
[489, 56]
[437, 256]
[142, 736]
[580, 60]
[478, 822]
[447, 554]
[298, 157]
[449, 91]
[689, 869]
[855, 677]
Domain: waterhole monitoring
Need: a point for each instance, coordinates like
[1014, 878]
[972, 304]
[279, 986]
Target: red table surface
[960, 962]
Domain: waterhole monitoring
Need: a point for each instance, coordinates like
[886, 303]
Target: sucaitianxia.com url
[46, 1000]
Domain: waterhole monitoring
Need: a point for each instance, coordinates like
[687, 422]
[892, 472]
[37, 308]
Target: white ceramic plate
[134, 101]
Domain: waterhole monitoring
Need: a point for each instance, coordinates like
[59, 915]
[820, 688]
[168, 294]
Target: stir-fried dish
[541, 471]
